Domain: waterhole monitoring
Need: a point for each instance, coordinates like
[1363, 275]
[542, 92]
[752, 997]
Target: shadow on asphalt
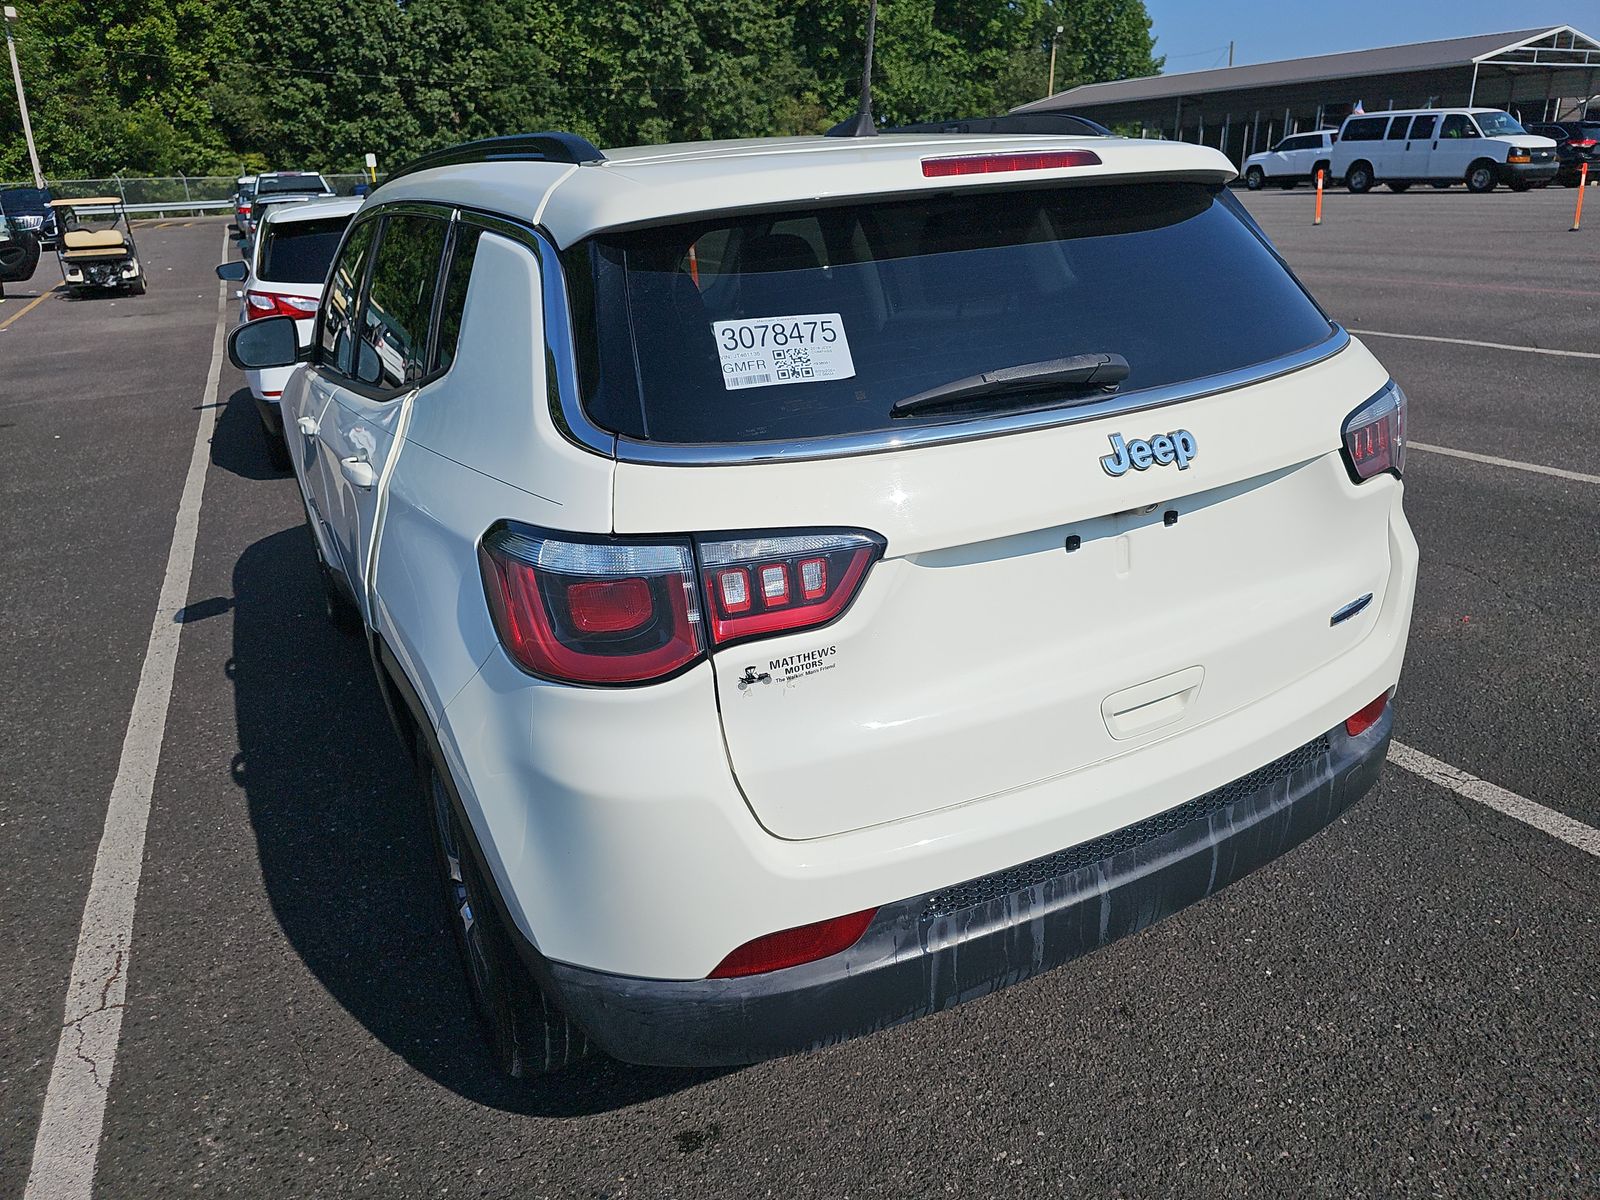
[341, 833]
[243, 452]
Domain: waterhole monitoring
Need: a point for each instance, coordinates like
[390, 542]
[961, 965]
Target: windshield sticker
[768, 351]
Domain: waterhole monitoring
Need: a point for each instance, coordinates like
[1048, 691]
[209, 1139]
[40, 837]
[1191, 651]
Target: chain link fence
[180, 191]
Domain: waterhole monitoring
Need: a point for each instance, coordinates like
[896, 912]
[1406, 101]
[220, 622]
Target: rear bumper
[933, 951]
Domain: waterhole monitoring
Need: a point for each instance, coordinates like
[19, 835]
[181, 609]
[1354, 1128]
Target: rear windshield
[291, 183]
[300, 251]
[811, 324]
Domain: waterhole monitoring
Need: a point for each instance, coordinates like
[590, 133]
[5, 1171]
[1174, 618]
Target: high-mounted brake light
[1024, 160]
[1375, 435]
[592, 611]
[791, 947]
[771, 583]
[274, 304]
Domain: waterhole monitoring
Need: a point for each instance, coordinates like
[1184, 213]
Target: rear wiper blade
[1074, 371]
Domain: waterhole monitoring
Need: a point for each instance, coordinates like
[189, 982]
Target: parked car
[1480, 147]
[29, 208]
[243, 197]
[797, 626]
[19, 254]
[1294, 160]
[1577, 142]
[275, 186]
[284, 276]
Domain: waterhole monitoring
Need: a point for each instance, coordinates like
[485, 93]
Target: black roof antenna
[862, 125]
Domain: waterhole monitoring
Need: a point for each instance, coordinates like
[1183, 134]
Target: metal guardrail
[159, 208]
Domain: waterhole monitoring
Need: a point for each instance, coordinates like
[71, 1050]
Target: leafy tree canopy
[160, 87]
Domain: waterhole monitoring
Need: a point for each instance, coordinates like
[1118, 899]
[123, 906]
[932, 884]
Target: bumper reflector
[791, 947]
[1365, 718]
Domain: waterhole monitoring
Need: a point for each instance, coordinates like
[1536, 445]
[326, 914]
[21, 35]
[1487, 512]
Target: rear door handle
[308, 426]
[359, 472]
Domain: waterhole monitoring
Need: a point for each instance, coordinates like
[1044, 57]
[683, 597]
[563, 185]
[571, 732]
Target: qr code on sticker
[793, 362]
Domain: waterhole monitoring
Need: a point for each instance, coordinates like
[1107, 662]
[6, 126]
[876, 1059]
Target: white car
[1294, 160]
[284, 276]
[810, 614]
[1480, 147]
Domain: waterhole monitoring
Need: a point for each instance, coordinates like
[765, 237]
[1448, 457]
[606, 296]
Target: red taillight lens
[763, 584]
[1375, 435]
[1025, 160]
[597, 611]
[272, 304]
[791, 947]
[1365, 718]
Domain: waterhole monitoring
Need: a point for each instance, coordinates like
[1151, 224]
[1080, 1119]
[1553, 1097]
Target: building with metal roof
[1535, 74]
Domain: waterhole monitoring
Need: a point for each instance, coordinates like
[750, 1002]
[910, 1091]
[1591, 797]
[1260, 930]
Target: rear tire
[1480, 177]
[277, 448]
[1397, 187]
[1254, 178]
[1441, 184]
[1520, 185]
[527, 1034]
[1359, 178]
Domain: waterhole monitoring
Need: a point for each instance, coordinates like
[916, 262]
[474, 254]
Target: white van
[1480, 147]
[1295, 159]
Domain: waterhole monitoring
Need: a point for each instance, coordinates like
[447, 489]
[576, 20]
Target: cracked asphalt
[1401, 1007]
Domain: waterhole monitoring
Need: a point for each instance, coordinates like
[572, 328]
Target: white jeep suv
[824, 580]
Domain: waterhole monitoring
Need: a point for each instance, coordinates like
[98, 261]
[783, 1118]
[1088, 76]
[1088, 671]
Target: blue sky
[1194, 34]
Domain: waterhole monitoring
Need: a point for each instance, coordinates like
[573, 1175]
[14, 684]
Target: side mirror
[233, 272]
[268, 342]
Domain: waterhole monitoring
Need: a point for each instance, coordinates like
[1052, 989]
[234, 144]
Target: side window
[339, 305]
[1364, 129]
[1397, 129]
[395, 320]
[455, 294]
[1422, 127]
[1456, 125]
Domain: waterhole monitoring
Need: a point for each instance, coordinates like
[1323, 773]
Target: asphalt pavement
[1401, 1007]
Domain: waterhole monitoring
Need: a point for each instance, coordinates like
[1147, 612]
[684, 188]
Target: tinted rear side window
[300, 251]
[1365, 129]
[396, 318]
[455, 294]
[291, 183]
[810, 324]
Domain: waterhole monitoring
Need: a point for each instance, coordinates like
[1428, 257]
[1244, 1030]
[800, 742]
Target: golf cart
[97, 259]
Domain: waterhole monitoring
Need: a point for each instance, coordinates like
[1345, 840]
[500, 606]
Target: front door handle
[308, 426]
[359, 472]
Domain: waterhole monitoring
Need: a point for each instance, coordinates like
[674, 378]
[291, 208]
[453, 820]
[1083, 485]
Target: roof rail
[553, 147]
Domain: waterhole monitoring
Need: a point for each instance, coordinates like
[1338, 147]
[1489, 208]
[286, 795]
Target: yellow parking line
[25, 309]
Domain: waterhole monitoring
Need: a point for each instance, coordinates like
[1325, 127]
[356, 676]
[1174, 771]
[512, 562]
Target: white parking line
[1518, 808]
[1425, 337]
[68, 1141]
[1491, 460]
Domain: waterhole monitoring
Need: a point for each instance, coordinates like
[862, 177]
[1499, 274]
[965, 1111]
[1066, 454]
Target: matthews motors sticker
[790, 667]
[768, 351]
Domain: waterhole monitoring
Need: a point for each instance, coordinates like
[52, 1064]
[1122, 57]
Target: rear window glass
[1365, 129]
[784, 326]
[291, 183]
[300, 251]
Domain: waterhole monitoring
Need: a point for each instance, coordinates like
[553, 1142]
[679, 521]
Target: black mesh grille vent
[1064, 862]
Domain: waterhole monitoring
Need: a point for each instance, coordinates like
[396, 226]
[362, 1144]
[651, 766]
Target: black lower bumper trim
[931, 952]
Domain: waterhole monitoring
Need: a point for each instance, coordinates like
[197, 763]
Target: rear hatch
[291, 267]
[1068, 572]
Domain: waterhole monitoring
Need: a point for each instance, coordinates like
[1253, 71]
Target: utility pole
[22, 100]
[1050, 88]
[1230, 52]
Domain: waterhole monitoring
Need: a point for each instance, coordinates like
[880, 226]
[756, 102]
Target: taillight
[272, 304]
[791, 947]
[771, 583]
[1581, 143]
[1375, 435]
[1025, 160]
[244, 209]
[1366, 716]
[592, 611]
